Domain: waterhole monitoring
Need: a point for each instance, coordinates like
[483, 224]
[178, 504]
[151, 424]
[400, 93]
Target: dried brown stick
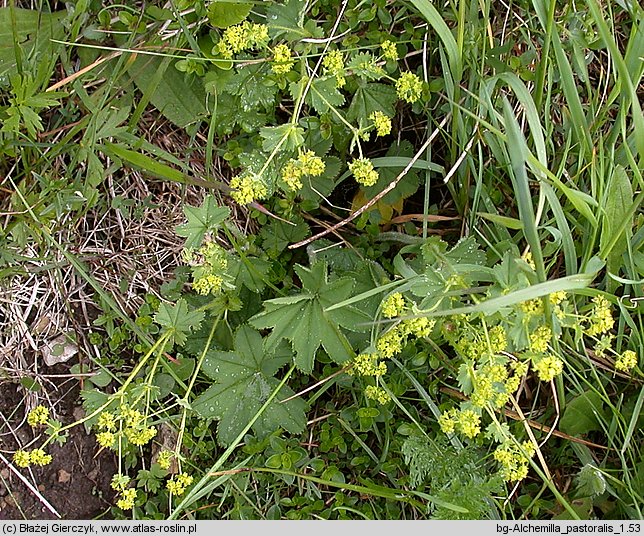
[384, 192]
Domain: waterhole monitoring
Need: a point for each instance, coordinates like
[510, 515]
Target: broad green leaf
[306, 323]
[277, 235]
[178, 320]
[286, 137]
[244, 381]
[583, 414]
[208, 217]
[180, 101]
[251, 272]
[371, 98]
[287, 19]
[223, 13]
[590, 481]
[323, 95]
[618, 199]
[364, 65]
[254, 89]
[33, 31]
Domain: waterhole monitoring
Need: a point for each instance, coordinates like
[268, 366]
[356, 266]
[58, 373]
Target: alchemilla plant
[407, 265]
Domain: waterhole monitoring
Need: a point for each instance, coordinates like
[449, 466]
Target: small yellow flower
[164, 459]
[140, 436]
[106, 439]
[419, 327]
[333, 64]
[557, 297]
[393, 305]
[390, 343]
[447, 421]
[469, 423]
[106, 421]
[377, 393]
[381, 122]
[409, 87]
[22, 458]
[548, 368]
[39, 457]
[37, 416]
[389, 51]
[126, 502]
[247, 188]
[601, 318]
[282, 61]
[498, 339]
[364, 172]
[540, 338]
[626, 361]
[208, 284]
[177, 484]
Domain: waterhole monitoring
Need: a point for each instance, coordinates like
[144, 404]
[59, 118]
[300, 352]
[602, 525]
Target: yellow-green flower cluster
[557, 297]
[547, 367]
[178, 483]
[133, 426]
[466, 422]
[601, 318]
[241, 38]
[393, 305]
[377, 393]
[409, 87]
[532, 307]
[333, 64]
[208, 284]
[420, 327]
[381, 123]
[247, 188]
[136, 429]
[212, 262]
[514, 460]
[367, 365]
[165, 459]
[127, 495]
[540, 338]
[626, 361]
[363, 171]
[306, 164]
[498, 339]
[106, 439]
[38, 416]
[389, 51]
[24, 458]
[282, 59]
[391, 342]
[493, 383]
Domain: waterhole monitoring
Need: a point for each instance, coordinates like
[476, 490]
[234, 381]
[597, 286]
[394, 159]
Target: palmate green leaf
[178, 320]
[304, 321]
[288, 137]
[324, 95]
[201, 220]
[371, 98]
[287, 19]
[244, 381]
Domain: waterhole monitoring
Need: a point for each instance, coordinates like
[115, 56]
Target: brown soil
[77, 482]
